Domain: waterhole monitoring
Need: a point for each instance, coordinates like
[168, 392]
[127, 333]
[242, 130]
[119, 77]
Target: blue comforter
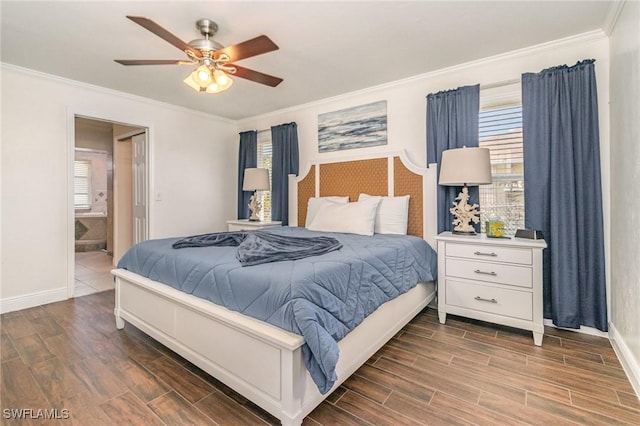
[321, 298]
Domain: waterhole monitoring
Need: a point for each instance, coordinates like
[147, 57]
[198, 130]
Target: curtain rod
[500, 84]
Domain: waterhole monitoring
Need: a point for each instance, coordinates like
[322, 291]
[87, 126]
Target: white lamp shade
[255, 180]
[470, 166]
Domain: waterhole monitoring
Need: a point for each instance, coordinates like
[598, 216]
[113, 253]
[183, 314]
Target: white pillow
[314, 204]
[352, 218]
[392, 214]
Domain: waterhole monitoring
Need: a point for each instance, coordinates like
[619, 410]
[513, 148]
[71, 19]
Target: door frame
[72, 114]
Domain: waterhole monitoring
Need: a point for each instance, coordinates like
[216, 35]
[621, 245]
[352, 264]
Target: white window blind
[500, 129]
[264, 162]
[82, 184]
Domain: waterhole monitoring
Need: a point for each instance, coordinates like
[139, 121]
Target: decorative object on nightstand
[494, 227]
[255, 180]
[492, 279]
[464, 167]
[531, 234]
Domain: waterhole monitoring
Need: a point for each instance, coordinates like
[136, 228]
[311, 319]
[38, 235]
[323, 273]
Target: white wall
[625, 175]
[193, 158]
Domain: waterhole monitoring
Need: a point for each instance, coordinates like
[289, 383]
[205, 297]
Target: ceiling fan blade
[246, 49]
[256, 76]
[163, 34]
[153, 62]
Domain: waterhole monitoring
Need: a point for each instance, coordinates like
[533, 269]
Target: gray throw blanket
[256, 247]
[220, 239]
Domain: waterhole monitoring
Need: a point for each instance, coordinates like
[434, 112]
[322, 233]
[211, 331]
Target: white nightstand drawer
[520, 276]
[490, 253]
[246, 225]
[234, 228]
[499, 301]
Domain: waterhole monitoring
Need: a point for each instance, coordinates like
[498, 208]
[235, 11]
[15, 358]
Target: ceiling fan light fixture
[189, 81]
[221, 82]
[210, 57]
[213, 88]
[202, 76]
[222, 78]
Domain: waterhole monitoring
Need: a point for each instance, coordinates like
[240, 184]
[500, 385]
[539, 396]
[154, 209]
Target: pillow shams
[392, 215]
[314, 204]
[351, 218]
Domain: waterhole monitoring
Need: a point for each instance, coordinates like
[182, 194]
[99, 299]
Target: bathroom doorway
[103, 188]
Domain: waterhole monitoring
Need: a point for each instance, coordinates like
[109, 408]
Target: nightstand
[246, 225]
[497, 280]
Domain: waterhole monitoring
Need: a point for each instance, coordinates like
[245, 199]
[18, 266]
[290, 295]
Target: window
[501, 131]
[264, 162]
[82, 184]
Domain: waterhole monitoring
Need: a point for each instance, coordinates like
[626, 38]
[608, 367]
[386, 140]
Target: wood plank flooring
[69, 355]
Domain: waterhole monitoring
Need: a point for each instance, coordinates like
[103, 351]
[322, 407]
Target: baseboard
[25, 301]
[629, 363]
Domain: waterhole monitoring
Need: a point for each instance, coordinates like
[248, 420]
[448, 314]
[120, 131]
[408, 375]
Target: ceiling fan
[215, 63]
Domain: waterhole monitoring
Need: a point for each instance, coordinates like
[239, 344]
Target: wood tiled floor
[69, 355]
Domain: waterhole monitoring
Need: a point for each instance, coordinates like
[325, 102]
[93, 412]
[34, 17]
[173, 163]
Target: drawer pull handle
[478, 271]
[479, 253]
[485, 300]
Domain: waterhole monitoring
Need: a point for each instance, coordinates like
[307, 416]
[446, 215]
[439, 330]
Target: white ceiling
[326, 48]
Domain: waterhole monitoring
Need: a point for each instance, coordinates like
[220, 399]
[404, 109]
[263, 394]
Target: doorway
[109, 192]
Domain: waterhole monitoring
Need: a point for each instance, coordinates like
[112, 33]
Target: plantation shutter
[264, 162]
[500, 130]
[81, 184]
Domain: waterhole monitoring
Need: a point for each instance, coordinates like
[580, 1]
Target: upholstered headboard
[390, 174]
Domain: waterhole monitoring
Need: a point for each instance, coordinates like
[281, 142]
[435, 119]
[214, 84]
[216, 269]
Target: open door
[130, 191]
[139, 145]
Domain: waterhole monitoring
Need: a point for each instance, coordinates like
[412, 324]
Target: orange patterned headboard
[392, 174]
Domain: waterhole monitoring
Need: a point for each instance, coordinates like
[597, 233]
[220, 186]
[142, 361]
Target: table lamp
[255, 180]
[465, 167]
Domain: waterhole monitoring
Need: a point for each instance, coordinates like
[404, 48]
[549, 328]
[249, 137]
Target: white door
[139, 187]
[122, 198]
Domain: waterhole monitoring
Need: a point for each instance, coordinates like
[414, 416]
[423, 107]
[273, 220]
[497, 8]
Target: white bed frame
[262, 362]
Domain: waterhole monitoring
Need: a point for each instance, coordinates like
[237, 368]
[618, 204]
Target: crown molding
[105, 91]
[610, 21]
[527, 51]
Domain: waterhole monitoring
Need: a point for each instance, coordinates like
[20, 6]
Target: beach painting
[357, 127]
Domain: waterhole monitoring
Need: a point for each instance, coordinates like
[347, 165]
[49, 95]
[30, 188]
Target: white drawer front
[521, 276]
[512, 303]
[233, 227]
[490, 253]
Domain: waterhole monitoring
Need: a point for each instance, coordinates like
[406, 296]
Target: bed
[263, 362]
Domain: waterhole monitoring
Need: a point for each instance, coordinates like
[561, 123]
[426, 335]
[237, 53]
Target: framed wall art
[356, 127]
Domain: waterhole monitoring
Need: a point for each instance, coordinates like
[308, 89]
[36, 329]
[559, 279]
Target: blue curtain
[452, 122]
[247, 158]
[284, 142]
[563, 193]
